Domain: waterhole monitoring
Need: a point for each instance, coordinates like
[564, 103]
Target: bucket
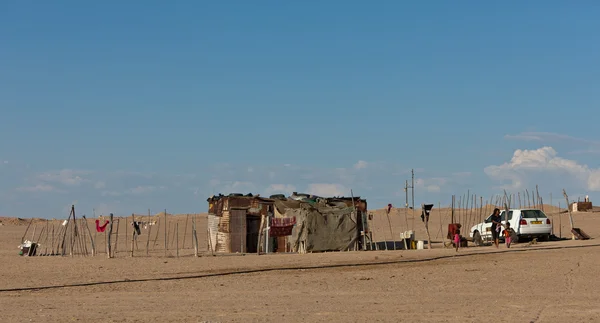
[420, 245]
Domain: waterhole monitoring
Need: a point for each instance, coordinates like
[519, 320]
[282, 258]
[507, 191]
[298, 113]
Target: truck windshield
[533, 214]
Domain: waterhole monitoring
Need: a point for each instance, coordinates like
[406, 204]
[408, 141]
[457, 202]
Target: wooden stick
[157, 231]
[26, 230]
[126, 232]
[46, 239]
[480, 209]
[150, 225]
[570, 215]
[110, 229]
[116, 249]
[95, 231]
[195, 237]
[426, 220]
[53, 238]
[440, 215]
[166, 241]
[387, 212]
[187, 218]
[90, 234]
[560, 222]
[260, 233]
[452, 215]
[133, 233]
[65, 235]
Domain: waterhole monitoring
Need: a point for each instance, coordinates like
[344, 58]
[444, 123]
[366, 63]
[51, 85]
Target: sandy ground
[546, 282]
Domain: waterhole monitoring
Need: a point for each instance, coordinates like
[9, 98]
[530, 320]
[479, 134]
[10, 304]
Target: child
[508, 232]
[457, 239]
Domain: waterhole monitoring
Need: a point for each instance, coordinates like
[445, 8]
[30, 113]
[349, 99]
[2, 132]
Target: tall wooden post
[110, 229]
[90, 233]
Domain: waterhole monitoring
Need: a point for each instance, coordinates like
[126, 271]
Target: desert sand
[546, 282]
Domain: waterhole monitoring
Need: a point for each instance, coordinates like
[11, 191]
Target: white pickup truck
[527, 223]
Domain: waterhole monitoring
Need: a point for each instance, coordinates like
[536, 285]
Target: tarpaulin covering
[320, 226]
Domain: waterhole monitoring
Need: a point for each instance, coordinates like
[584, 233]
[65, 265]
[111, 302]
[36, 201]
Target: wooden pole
[570, 215]
[26, 230]
[90, 234]
[46, 242]
[116, 249]
[441, 224]
[110, 229]
[387, 212]
[426, 220]
[150, 225]
[177, 238]
[452, 210]
[195, 236]
[53, 238]
[260, 233]
[560, 222]
[65, 235]
[126, 232]
[187, 218]
[133, 233]
[174, 233]
[412, 186]
[95, 231]
[157, 231]
[166, 241]
[480, 209]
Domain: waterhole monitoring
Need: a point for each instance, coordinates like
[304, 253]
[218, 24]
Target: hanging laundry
[101, 228]
[281, 227]
[136, 227]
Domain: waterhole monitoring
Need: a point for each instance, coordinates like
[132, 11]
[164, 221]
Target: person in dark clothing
[496, 225]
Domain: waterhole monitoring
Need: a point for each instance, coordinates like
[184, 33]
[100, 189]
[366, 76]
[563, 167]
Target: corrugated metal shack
[234, 221]
[324, 224]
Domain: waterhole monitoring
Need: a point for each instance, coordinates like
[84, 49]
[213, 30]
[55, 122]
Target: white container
[420, 245]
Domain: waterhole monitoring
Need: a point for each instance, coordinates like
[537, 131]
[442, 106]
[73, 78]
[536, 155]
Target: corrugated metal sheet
[240, 201]
[224, 223]
[213, 226]
[237, 226]
[219, 211]
[223, 243]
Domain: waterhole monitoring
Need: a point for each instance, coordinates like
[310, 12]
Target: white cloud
[524, 163]
[584, 146]
[431, 185]
[361, 164]
[100, 185]
[327, 190]
[238, 187]
[144, 189]
[548, 137]
[68, 177]
[39, 188]
[285, 189]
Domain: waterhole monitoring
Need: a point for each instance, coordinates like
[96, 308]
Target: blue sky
[121, 107]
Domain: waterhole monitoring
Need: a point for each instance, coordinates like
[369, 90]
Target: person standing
[508, 234]
[457, 239]
[496, 225]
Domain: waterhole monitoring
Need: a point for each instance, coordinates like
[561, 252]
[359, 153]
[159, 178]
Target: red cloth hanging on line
[101, 228]
[282, 226]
